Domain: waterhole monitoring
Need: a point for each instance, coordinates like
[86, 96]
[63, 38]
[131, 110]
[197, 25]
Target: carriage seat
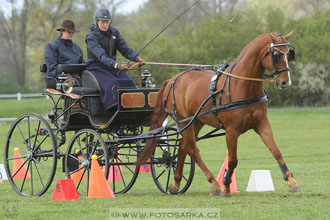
[88, 83]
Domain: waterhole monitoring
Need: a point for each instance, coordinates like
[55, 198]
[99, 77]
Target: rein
[248, 78]
[207, 66]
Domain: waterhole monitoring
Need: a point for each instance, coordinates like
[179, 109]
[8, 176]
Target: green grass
[303, 137]
[11, 108]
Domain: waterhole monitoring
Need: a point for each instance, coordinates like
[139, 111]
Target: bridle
[275, 51]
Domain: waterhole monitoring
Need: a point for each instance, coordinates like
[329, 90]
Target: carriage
[117, 137]
[232, 98]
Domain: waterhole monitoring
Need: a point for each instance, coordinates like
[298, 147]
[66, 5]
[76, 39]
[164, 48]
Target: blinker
[292, 55]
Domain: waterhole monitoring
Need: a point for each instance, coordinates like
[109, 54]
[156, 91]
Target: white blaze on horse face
[287, 66]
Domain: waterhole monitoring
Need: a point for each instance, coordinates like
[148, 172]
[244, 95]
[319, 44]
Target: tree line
[211, 32]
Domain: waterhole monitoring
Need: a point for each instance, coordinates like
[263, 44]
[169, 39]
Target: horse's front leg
[266, 134]
[231, 140]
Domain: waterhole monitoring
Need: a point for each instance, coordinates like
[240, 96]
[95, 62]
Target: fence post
[19, 96]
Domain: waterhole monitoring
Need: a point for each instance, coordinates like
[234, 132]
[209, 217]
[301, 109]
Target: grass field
[302, 135]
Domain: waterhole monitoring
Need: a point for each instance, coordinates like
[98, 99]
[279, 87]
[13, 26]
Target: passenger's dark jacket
[102, 46]
[61, 51]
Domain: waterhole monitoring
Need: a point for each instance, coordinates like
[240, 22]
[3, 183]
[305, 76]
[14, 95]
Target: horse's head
[276, 59]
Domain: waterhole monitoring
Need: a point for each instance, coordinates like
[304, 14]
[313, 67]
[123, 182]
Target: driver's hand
[140, 61]
[123, 66]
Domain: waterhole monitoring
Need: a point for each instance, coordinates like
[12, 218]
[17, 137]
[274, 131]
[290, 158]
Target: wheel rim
[122, 171]
[164, 160]
[32, 167]
[83, 145]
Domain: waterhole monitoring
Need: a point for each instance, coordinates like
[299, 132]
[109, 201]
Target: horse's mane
[249, 45]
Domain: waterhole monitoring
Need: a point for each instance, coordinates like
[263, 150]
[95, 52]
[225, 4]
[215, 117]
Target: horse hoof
[173, 189]
[215, 192]
[225, 193]
[294, 188]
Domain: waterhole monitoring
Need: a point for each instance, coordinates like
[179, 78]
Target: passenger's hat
[68, 25]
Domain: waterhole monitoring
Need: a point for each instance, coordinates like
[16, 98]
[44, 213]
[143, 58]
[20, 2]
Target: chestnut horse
[182, 96]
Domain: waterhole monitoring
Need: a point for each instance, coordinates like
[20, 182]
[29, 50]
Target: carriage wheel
[30, 155]
[122, 172]
[163, 164]
[84, 144]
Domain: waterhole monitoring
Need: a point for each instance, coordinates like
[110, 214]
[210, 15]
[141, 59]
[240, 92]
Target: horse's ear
[273, 37]
[288, 35]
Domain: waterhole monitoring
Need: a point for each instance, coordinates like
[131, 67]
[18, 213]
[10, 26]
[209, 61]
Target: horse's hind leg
[266, 134]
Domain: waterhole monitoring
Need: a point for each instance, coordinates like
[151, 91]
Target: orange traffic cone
[98, 185]
[77, 175]
[19, 170]
[233, 185]
[115, 172]
[145, 168]
[65, 190]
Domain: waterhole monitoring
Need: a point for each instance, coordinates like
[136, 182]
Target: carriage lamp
[147, 80]
[64, 84]
[52, 114]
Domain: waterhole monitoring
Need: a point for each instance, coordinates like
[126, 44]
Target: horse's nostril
[284, 84]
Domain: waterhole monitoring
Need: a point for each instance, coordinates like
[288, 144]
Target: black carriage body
[134, 109]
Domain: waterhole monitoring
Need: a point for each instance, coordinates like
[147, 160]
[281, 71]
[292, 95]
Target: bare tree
[14, 33]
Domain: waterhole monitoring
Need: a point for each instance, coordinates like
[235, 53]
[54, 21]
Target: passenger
[103, 41]
[62, 51]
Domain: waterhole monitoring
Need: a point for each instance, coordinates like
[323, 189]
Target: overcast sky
[125, 8]
[131, 5]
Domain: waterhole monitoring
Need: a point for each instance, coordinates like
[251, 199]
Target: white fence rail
[20, 96]
[13, 119]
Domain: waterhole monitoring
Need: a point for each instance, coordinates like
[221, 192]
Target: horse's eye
[276, 57]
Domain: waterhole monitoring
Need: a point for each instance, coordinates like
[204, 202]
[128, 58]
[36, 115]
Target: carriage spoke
[42, 165]
[12, 141]
[80, 180]
[19, 128]
[31, 177]
[126, 165]
[113, 179]
[29, 132]
[23, 164]
[168, 179]
[76, 170]
[26, 172]
[94, 149]
[121, 175]
[42, 183]
[81, 149]
[71, 155]
[15, 158]
[36, 137]
[88, 174]
[41, 142]
[160, 174]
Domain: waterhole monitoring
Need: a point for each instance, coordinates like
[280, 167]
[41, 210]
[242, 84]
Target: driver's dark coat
[101, 50]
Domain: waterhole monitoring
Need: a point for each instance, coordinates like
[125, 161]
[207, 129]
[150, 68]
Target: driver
[103, 41]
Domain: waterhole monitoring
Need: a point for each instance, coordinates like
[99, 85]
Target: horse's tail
[158, 116]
